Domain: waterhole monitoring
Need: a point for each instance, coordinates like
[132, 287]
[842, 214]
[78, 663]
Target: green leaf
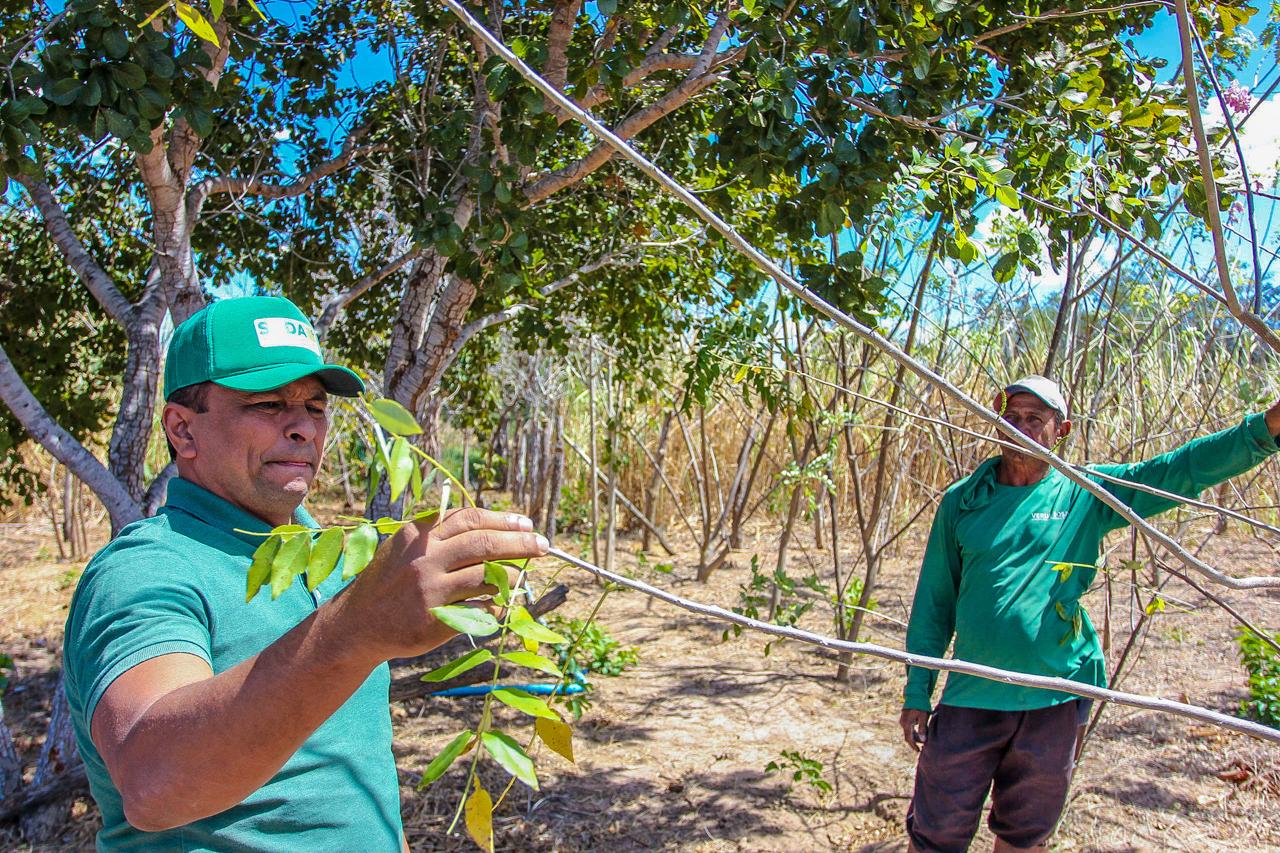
[415, 482]
[260, 568]
[215, 8]
[129, 75]
[1005, 267]
[290, 560]
[201, 121]
[324, 556]
[1008, 196]
[393, 417]
[525, 703]
[193, 19]
[511, 756]
[361, 545]
[495, 574]
[401, 467]
[115, 43]
[388, 526]
[521, 623]
[470, 660]
[288, 529]
[63, 92]
[254, 5]
[467, 620]
[118, 125]
[533, 661]
[445, 759]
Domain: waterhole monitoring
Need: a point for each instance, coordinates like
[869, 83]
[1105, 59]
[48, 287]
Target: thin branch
[338, 302]
[698, 78]
[83, 264]
[64, 447]
[564, 17]
[990, 673]
[261, 188]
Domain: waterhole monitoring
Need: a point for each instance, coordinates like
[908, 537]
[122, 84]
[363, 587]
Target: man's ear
[1064, 430]
[176, 420]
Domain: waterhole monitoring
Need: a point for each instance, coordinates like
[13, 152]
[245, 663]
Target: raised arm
[1195, 466]
[182, 743]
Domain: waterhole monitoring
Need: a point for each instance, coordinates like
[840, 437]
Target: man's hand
[913, 724]
[1273, 419]
[388, 607]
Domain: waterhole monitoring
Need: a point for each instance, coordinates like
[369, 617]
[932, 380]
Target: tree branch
[258, 186]
[158, 490]
[990, 673]
[479, 325]
[83, 264]
[563, 19]
[64, 447]
[184, 142]
[338, 302]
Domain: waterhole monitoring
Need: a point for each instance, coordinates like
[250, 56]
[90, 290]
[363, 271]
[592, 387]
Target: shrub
[1262, 663]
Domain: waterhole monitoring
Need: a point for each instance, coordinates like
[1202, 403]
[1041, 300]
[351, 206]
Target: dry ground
[672, 754]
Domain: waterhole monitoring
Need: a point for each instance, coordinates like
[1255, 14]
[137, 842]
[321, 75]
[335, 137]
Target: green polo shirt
[176, 583]
[988, 575]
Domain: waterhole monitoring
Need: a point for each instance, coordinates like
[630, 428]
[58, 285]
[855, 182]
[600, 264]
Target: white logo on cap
[285, 332]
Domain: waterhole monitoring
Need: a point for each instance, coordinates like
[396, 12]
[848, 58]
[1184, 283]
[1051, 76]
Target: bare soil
[671, 755]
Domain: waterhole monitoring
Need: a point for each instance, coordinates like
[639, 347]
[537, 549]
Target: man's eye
[268, 406]
[317, 409]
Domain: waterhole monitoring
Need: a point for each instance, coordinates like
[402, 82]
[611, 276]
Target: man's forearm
[205, 746]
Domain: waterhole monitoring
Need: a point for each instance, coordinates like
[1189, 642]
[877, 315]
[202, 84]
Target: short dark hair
[194, 397]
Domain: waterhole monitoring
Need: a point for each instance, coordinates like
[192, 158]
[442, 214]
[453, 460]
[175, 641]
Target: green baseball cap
[251, 343]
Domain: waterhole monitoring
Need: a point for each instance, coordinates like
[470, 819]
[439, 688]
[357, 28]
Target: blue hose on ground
[578, 685]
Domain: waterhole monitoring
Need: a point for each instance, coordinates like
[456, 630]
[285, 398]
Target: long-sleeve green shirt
[988, 576]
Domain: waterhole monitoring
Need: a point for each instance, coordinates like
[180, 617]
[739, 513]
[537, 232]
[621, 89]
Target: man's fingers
[471, 519]
[478, 546]
[468, 583]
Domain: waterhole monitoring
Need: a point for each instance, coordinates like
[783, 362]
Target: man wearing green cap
[206, 723]
[1013, 548]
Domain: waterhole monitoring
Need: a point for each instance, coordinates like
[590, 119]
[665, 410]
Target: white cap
[1046, 390]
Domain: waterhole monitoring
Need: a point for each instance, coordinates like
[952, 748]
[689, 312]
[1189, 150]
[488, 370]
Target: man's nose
[300, 424]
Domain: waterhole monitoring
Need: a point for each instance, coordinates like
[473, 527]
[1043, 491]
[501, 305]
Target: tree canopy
[374, 163]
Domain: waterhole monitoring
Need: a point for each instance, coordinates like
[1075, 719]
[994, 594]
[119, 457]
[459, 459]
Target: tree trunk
[58, 757]
[10, 761]
[557, 472]
[651, 493]
[131, 434]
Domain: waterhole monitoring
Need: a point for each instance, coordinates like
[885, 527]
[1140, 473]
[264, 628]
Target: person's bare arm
[181, 743]
[1273, 419]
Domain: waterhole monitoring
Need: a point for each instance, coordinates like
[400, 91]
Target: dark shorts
[1024, 758]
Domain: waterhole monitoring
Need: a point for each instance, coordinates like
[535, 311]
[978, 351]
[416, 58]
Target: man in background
[1012, 549]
